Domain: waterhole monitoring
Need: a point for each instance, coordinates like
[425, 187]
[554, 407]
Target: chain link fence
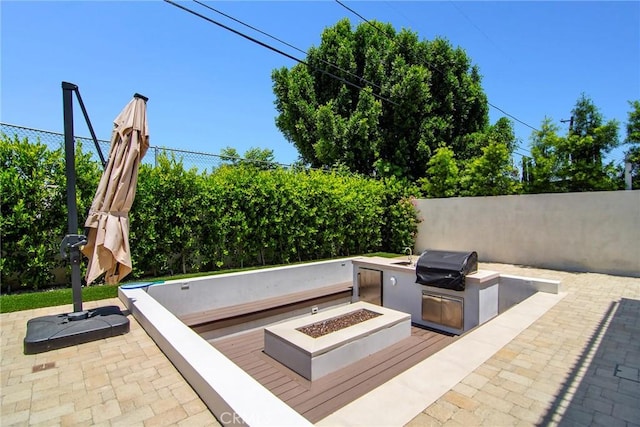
[203, 162]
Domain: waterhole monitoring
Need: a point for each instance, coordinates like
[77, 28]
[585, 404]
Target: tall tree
[589, 140]
[593, 136]
[416, 95]
[492, 174]
[442, 178]
[575, 162]
[470, 146]
[543, 170]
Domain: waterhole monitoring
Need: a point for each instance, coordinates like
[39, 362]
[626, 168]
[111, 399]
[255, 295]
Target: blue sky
[209, 89]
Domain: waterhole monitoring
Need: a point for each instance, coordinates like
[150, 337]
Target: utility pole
[569, 134]
[570, 123]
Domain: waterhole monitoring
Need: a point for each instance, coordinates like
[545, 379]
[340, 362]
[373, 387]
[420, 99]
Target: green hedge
[187, 221]
[33, 207]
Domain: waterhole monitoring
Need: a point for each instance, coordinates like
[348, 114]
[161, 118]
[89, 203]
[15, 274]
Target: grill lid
[445, 269]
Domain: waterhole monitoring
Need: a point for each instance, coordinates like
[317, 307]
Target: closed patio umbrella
[108, 221]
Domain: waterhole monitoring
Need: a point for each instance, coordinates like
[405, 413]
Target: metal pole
[72, 207]
[86, 119]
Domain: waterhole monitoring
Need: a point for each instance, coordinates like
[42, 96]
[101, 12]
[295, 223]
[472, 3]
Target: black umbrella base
[64, 330]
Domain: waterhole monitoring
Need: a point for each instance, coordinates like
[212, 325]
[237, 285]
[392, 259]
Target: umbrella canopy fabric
[108, 222]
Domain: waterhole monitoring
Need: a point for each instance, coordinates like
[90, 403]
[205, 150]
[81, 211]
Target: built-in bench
[223, 317]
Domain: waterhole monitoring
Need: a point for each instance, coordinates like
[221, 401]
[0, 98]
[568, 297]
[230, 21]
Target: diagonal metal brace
[71, 241]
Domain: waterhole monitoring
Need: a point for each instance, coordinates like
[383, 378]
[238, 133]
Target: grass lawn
[29, 300]
[50, 298]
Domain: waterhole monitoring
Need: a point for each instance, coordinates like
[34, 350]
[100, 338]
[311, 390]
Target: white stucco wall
[595, 232]
[184, 296]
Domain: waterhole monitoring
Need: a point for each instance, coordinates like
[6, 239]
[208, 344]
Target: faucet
[409, 252]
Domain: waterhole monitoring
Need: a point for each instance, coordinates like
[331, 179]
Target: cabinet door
[370, 285]
[431, 308]
[452, 313]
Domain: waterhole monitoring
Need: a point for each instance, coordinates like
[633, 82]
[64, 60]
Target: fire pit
[347, 341]
[325, 327]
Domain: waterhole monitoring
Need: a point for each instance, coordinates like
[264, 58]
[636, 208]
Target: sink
[402, 263]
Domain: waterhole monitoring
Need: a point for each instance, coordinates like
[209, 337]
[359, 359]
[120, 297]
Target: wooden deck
[316, 400]
[241, 313]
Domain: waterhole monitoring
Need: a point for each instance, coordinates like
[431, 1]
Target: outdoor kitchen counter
[481, 277]
[399, 291]
[387, 263]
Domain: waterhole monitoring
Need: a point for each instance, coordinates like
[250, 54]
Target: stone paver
[561, 370]
[570, 367]
[124, 380]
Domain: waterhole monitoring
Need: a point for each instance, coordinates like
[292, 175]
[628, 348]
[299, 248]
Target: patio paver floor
[562, 369]
[574, 366]
[123, 380]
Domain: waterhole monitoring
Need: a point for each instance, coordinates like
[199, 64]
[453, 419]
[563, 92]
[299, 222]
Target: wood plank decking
[264, 306]
[316, 400]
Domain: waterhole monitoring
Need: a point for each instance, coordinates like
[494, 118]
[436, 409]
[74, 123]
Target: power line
[361, 17]
[247, 25]
[620, 162]
[441, 73]
[451, 2]
[400, 12]
[512, 116]
[360, 78]
[520, 147]
[434, 67]
[276, 50]
[267, 46]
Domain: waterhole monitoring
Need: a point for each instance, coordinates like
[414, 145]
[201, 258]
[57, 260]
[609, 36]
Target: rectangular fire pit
[315, 357]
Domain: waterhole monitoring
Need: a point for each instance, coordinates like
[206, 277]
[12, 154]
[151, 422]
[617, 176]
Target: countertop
[480, 277]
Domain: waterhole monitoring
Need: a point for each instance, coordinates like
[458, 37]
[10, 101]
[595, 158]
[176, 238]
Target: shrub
[34, 210]
[184, 221]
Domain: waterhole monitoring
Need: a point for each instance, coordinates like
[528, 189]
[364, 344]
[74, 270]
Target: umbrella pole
[72, 241]
[54, 331]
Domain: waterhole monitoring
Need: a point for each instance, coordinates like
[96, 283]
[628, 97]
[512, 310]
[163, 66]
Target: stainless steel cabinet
[443, 310]
[431, 308]
[370, 285]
